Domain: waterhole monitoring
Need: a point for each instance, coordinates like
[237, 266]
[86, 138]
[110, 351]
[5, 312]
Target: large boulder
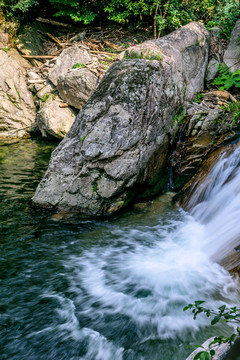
[67, 59]
[118, 146]
[76, 87]
[54, 120]
[17, 110]
[232, 54]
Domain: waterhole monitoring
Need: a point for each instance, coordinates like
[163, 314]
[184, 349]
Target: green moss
[45, 97]
[150, 55]
[198, 98]
[78, 65]
[179, 117]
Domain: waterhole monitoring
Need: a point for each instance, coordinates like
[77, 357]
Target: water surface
[100, 290]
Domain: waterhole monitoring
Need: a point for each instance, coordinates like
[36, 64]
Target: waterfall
[219, 209]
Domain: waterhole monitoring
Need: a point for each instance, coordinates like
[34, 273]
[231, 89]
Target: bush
[167, 15]
[14, 8]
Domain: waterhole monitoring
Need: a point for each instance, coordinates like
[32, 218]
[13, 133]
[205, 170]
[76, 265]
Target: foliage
[149, 55]
[45, 97]
[167, 15]
[16, 7]
[179, 117]
[78, 65]
[198, 98]
[223, 314]
[234, 108]
[227, 79]
[225, 16]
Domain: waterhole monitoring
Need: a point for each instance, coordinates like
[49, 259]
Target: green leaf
[215, 319]
[202, 355]
[212, 352]
[222, 308]
[199, 302]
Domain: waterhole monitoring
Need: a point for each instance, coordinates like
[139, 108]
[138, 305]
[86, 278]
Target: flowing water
[74, 289]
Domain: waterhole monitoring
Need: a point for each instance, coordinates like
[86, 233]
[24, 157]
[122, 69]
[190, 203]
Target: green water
[97, 290]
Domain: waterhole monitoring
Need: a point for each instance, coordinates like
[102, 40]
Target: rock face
[118, 145]
[76, 87]
[54, 121]
[232, 55]
[211, 72]
[17, 110]
[68, 58]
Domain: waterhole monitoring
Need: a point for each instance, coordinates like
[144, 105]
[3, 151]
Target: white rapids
[129, 287]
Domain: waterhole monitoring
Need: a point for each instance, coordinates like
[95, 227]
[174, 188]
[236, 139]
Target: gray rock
[118, 146]
[215, 32]
[210, 121]
[76, 87]
[232, 55]
[54, 121]
[5, 39]
[32, 75]
[65, 62]
[17, 110]
[29, 42]
[211, 71]
[45, 89]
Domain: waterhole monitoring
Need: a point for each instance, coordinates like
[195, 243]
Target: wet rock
[54, 121]
[232, 54]
[67, 59]
[17, 109]
[76, 87]
[119, 144]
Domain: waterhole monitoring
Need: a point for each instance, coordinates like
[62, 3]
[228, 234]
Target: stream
[74, 289]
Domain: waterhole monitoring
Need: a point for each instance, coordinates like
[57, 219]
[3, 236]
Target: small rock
[79, 36]
[54, 121]
[232, 55]
[32, 75]
[76, 87]
[211, 71]
[46, 89]
[68, 58]
[215, 32]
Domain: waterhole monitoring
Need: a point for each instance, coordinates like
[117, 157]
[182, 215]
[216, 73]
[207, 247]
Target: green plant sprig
[223, 314]
[226, 79]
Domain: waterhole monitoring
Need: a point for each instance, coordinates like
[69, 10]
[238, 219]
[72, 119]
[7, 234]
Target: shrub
[17, 7]
[226, 79]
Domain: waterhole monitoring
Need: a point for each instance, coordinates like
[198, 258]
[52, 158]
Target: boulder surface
[232, 54]
[17, 109]
[118, 146]
[68, 58]
[76, 87]
[54, 121]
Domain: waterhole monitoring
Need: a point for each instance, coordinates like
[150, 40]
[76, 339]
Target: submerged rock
[118, 147]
